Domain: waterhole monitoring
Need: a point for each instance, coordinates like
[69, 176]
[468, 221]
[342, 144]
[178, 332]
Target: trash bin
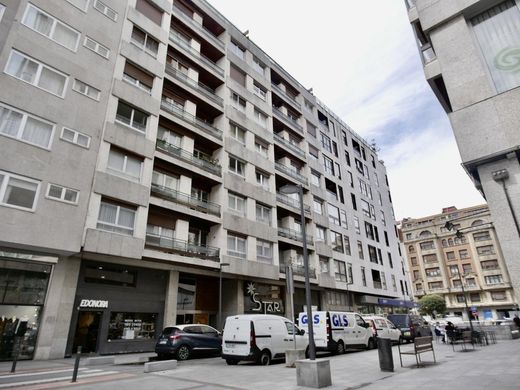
[386, 360]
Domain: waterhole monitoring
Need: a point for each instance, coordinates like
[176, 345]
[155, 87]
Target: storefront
[260, 298]
[197, 300]
[119, 309]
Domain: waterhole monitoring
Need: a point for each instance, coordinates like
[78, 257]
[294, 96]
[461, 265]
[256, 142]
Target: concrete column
[190, 107]
[193, 74]
[58, 309]
[232, 297]
[170, 303]
[185, 185]
[197, 18]
[181, 229]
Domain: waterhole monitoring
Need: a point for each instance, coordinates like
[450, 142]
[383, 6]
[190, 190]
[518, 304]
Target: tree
[432, 304]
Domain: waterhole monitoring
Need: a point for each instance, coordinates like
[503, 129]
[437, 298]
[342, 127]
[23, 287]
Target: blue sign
[315, 317]
[339, 320]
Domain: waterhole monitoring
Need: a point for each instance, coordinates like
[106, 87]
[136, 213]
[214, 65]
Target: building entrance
[87, 331]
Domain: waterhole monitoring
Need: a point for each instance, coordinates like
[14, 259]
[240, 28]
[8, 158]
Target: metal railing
[291, 172]
[183, 114]
[287, 119]
[187, 200]
[172, 150]
[294, 203]
[202, 88]
[175, 37]
[284, 94]
[294, 235]
[298, 270]
[289, 145]
[199, 27]
[183, 247]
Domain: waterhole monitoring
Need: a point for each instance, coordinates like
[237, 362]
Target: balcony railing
[291, 172]
[202, 88]
[294, 203]
[284, 94]
[289, 145]
[187, 200]
[175, 37]
[299, 270]
[287, 119]
[200, 123]
[208, 165]
[182, 247]
[199, 27]
[293, 235]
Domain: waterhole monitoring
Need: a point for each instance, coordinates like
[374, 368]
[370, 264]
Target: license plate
[163, 341]
[407, 333]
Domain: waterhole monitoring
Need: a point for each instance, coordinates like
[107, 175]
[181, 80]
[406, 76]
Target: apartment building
[470, 55]
[456, 254]
[144, 146]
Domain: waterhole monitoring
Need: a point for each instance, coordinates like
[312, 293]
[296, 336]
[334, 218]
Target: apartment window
[63, 194]
[260, 118]
[150, 11]
[144, 41]
[236, 246]
[258, 66]
[308, 105]
[353, 199]
[105, 10]
[474, 297]
[237, 50]
[315, 178]
[356, 225]
[262, 179]
[498, 295]
[259, 91]
[431, 258]
[85, 89]
[116, 218]
[237, 166]
[493, 279]
[238, 102]
[311, 129]
[372, 254]
[262, 147]
[470, 282]
[498, 33]
[52, 28]
[326, 143]
[264, 250]
[75, 137]
[485, 250]
[81, 4]
[324, 265]
[340, 271]
[365, 208]
[132, 117]
[427, 245]
[343, 218]
[96, 47]
[466, 268]
[450, 255]
[317, 205]
[481, 236]
[489, 264]
[336, 241]
[167, 181]
[237, 75]
[383, 220]
[333, 213]
[123, 163]
[369, 230]
[137, 77]
[263, 213]
[313, 153]
[328, 165]
[364, 277]
[237, 133]
[435, 285]
[18, 191]
[237, 203]
[35, 73]
[25, 128]
[320, 234]
[431, 272]
[463, 254]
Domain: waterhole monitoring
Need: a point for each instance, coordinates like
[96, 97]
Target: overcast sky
[361, 60]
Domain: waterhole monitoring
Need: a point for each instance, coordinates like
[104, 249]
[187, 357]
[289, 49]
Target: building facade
[466, 268]
[144, 146]
[470, 51]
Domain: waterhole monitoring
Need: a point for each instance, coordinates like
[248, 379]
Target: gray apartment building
[471, 55]
[144, 144]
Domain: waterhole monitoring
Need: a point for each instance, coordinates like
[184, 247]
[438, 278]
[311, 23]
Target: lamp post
[219, 320]
[298, 189]
[465, 301]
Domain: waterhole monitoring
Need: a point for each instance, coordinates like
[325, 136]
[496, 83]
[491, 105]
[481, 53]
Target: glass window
[149, 10]
[237, 50]
[237, 133]
[262, 147]
[260, 118]
[320, 234]
[258, 66]
[24, 127]
[138, 77]
[105, 10]
[340, 271]
[237, 203]
[263, 213]
[121, 162]
[75, 137]
[67, 195]
[132, 117]
[336, 241]
[81, 4]
[96, 47]
[264, 250]
[18, 191]
[236, 166]
[262, 179]
[115, 218]
[333, 213]
[132, 326]
[236, 246]
[144, 41]
[238, 102]
[85, 89]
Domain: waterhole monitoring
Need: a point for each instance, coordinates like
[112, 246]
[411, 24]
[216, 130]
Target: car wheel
[340, 348]
[231, 362]
[371, 344]
[265, 358]
[183, 353]
[400, 341]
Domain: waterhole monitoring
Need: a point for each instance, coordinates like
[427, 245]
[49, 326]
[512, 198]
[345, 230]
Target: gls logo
[339, 320]
[315, 318]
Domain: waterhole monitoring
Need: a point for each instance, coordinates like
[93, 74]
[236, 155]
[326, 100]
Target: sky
[361, 60]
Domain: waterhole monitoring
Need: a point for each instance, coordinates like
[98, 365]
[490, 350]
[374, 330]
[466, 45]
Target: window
[33, 72]
[116, 218]
[237, 133]
[263, 213]
[262, 179]
[493, 279]
[346, 240]
[320, 234]
[148, 10]
[237, 166]
[485, 250]
[336, 241]
[427, 245]
[96, 47]
[474, 297]
[315, 179]
[324, 265]
[25, 128]
[81, 4]
[144, 41]
[105, 10]
[307, 105]
[132, 117]
[325, 143]
[236, 246]
[166, 181]
[238, 102]
[356, 225]
[237, 203]
[110, 275]
[481, 236]
[454, 270]
[328, 165]
[435, 285]
[466, 268]
[132, 326]
[237, 50]
[498, 295]
[123, 163]
[137, 77]
[364, 277]
[18, 191]
[353, 199]
[52, 28]
[489, 264]
[463, 254]
[365, 208]
[317, 205]
[340, 271]
[262, 147]
[498, 33]
[360, 250]
[311, 129]
[431, 258]
[333, 213]
[259, 91]
[67, 195]
[372, 254]
[258, 66]
[264, 250]
[383, 220]
[75, 137]
[85, 89]
[260, 118]
[431, 272]
[450, 255]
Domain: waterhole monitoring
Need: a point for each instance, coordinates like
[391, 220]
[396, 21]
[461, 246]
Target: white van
[260, 338]
[335, 331]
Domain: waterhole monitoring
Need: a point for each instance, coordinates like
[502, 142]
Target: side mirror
[302, 332]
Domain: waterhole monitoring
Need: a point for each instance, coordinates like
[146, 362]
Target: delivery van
[336, 331]
[260, 338]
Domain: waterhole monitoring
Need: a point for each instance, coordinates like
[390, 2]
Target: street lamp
[465, 301]
[219, 320]
[298, 189]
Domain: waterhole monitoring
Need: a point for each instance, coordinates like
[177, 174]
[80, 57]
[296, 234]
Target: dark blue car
[183, 341]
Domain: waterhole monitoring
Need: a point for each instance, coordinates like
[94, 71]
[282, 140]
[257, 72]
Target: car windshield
[399, 321]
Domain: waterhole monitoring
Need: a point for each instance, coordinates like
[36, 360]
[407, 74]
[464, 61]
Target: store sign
[94, 303]
[263, 299]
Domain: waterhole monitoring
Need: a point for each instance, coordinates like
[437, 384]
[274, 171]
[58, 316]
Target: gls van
[260, 338]
[336, 331]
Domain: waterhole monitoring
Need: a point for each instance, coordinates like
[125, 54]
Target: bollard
[16, 351]
[76, 365]
[386, 361]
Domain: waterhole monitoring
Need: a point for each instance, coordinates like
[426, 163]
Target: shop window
[112, 275]
[132, 326]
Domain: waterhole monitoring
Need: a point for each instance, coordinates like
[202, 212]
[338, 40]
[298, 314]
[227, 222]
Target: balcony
[294, 148]
[174, 151]
[428, 54]
[287, 120]
[286, 96]
[179, 112]
[198, 27]
[200, 87]
[291, 172]
[182, 247]
[298, 270]
[293, 235]
[186, 47]
[187, 200]
[293, 203]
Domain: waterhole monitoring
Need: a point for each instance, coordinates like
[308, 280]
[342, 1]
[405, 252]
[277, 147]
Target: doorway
[87, 331]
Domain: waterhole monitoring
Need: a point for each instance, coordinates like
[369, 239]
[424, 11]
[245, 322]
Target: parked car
[411, 326]
[382, 328]
[335, 331]
[260, 338]
[182, 341]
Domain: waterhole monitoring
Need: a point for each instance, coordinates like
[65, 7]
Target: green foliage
[432, 304]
